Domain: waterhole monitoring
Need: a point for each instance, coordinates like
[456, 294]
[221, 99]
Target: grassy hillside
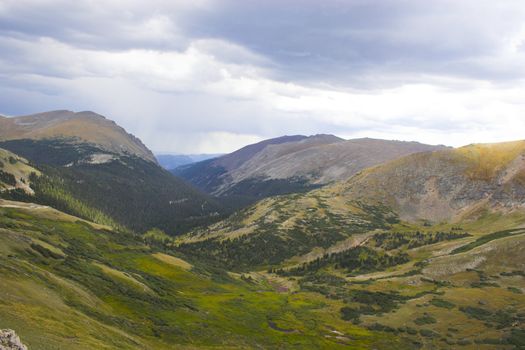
[280, 228]
[439, 297]
[446, 185]
[458, 285]
[109, 188]
[15, 172]
[71, 284]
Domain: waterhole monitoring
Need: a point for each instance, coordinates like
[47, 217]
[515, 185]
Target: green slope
[442, 286]
[427, 247]
[68, 284]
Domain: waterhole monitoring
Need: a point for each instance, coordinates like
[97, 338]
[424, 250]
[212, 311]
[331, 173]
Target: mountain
[217, 175]
[400, 249]
[450, 186]
[346, 265]
[292, 164]
[99, 172]
[172, 161]
[86, 127]
[427, 247]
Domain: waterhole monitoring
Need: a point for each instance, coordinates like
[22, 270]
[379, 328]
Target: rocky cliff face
[10, 341]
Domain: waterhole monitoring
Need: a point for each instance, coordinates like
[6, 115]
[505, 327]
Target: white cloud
[210, 94]
[211, 142]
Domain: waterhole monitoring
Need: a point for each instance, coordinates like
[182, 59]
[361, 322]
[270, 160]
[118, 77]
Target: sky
[210, 76]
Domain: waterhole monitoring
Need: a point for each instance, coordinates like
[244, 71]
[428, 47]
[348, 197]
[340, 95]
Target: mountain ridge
[436, 185]
[293, 164]
[86, 126]
[347, 264]
[450, 185]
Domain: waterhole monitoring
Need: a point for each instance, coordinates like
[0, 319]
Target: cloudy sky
[213, 75]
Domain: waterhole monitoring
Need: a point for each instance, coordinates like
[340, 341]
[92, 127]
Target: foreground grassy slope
[69, 284]
[442, 286]
[440, 298]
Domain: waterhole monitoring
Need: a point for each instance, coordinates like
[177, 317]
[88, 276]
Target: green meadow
[68, 284]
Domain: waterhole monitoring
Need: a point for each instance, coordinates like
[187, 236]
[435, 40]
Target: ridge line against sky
[211, 76]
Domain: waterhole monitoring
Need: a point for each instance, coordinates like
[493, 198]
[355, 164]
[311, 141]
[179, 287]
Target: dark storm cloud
[341, 39]
[327, 41]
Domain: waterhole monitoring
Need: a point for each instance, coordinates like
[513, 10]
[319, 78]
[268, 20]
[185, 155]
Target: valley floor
[70, 284]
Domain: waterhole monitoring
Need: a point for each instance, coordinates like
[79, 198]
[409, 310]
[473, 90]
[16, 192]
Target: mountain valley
[362, 244]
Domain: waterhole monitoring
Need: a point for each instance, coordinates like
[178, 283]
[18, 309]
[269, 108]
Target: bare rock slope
[314, 160]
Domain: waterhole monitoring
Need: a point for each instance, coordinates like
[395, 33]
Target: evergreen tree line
[394, 240]
[354, 260]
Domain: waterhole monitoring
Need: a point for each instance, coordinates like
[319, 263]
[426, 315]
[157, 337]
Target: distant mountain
[86, 127]
[172, 161]
[292, 164]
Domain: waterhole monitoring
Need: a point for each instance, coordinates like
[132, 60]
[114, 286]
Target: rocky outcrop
[10, 341]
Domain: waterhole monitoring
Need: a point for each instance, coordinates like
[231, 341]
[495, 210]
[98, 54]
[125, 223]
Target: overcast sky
[209, 76]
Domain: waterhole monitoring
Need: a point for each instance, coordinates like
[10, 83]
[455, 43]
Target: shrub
[442, 303]
[425, 319]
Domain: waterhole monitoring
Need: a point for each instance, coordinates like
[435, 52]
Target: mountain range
[90, 167]
[292, 163]
[445, 186]
[296, 242]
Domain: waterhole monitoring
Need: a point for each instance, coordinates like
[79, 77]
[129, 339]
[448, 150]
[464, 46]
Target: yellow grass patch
[171, 260]
[125, 277]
